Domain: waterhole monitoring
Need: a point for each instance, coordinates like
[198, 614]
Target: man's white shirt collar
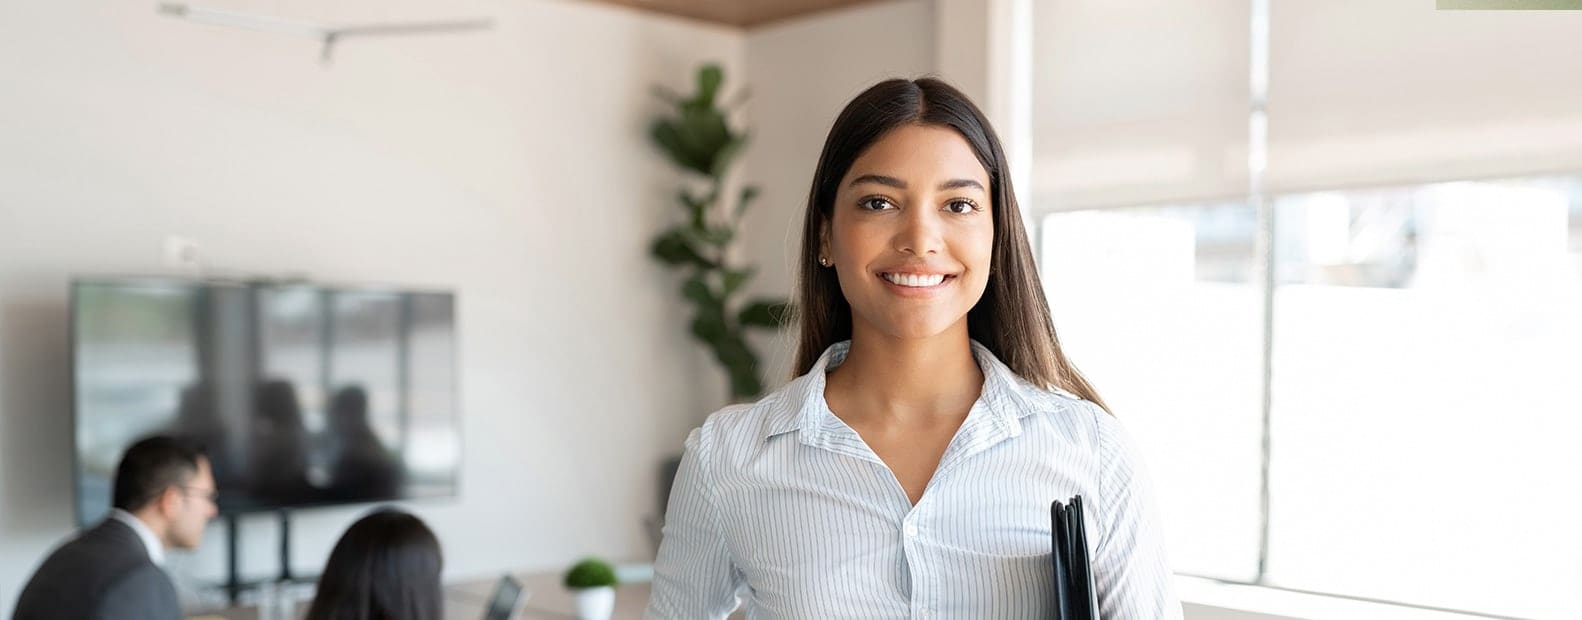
[156, 549]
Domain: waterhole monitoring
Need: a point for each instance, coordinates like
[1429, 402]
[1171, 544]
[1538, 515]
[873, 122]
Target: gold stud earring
[824, 260]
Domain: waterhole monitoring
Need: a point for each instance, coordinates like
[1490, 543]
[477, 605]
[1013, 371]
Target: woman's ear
[823, 240]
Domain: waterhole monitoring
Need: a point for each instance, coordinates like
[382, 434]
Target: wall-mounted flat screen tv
[303, 395]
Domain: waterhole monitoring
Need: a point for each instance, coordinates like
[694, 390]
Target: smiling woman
[908, 471]
[957, 149]
[897, 234]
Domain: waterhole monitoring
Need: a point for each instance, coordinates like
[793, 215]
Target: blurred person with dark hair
[279, 455]
[386, 566]
[164, 496]
[362, 468]
[198, 419]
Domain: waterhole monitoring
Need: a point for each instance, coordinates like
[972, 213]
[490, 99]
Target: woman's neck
[886, 380]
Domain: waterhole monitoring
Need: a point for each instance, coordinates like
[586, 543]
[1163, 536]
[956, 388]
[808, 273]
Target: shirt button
[911, 532]
[924, 613]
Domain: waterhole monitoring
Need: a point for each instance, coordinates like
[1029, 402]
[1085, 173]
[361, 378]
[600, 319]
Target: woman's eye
[876, 204]
[960, 207]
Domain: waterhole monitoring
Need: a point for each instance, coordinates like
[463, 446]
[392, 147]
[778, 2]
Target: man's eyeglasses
[208, 494]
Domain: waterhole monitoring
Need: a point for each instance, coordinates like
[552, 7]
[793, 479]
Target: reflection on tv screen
[302, 395]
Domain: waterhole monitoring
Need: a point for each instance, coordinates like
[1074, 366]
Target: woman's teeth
[919, 280]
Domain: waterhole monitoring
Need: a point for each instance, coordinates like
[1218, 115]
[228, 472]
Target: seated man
[164, 496]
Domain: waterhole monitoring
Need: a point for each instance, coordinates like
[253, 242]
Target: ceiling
[737, 13]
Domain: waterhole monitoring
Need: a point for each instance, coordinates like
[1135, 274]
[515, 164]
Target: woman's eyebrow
[960, 183]
[878, 178]
[899, 184]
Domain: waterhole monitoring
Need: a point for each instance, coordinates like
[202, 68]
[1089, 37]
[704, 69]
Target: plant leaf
[697, 212]
[709, 79]
[709, 326]
[741, 365]
[698, 291]
[733, 279]
[705, 134]
[672, 248]
[749, 193]
[690, 202]
[717, 236]
[673, 138]
[727, 154]
[767, 313]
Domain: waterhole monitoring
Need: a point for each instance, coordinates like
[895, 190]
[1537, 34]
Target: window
[1158, 307]
[1422, 184]
[1424, 418]
[1427, 342]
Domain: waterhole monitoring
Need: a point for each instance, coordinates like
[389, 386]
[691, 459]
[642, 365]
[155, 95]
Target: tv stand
[285, 545]
[233, 581]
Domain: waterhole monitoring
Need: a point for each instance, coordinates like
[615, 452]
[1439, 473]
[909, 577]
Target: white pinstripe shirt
[782, 503]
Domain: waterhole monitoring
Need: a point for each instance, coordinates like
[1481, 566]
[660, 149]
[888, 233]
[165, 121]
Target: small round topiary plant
[590, 573]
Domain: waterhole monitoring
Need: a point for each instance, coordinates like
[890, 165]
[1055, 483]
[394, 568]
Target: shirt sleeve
[693, 576]
[1130, 568]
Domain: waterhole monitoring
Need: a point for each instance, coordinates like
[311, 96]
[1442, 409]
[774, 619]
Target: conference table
[547, 599]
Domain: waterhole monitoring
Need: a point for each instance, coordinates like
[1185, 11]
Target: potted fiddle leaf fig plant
[697, 136]
[592, 582]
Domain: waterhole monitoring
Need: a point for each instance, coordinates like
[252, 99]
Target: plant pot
[595, 603]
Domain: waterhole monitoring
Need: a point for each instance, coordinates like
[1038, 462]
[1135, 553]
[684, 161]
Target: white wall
[510, 166]
[802, 73]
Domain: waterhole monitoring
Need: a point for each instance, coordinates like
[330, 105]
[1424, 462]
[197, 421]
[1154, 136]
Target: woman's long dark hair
[1012, 319]
[386, 566]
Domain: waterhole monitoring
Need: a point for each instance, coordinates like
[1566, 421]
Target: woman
[908, 472]
[386, 566]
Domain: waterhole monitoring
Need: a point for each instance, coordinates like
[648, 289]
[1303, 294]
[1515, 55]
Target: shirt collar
[803, 407]
[156, 549]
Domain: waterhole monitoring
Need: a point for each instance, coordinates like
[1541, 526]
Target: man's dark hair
[152, 465]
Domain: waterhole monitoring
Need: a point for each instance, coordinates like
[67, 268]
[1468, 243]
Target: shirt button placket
[922, 589]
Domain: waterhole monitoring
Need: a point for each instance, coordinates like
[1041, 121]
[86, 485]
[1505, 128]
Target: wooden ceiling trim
[738, 13]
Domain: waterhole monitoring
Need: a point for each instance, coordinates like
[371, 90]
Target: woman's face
[911, 233]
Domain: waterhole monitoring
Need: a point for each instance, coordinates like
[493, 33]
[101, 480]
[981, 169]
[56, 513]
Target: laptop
[507, 600]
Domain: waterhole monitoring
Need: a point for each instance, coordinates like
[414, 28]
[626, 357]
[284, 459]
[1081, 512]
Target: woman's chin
[920, 329]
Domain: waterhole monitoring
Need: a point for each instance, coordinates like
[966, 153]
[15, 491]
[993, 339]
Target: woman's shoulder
[1035, 403]
[1055, 401]
[1079, 420]
[744, 426]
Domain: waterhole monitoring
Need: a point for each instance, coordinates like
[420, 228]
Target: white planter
[595, 603]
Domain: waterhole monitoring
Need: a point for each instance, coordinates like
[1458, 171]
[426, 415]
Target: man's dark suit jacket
[104, 573]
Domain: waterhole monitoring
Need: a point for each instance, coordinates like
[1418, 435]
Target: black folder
[1075, 598]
